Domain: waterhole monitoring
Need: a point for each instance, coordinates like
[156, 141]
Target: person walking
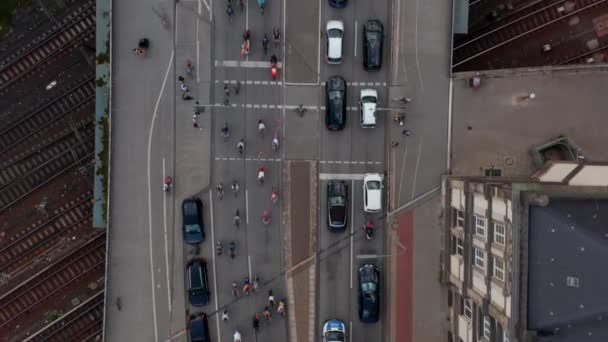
[235, 290]
[406, 132]
[226, 90]
[184, 88]
[180, 78]
[225, 316]
[237, 89]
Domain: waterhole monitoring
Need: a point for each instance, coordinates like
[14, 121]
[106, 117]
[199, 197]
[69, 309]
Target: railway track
[27, 181]
[77, 325]
[533, 18]
[36, 121]
[79, 25]
[11, 169]
[581, 58]
[87, 259]
[19, 246]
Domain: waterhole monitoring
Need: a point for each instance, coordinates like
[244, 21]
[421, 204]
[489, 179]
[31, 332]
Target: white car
[334, 331]
[372, 192]
[368, 101]
[335, 32]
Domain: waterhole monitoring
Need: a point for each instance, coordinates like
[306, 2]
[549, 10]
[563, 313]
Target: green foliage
[8, 10]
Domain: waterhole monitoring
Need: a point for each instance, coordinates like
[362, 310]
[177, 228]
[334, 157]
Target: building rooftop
[567, 282]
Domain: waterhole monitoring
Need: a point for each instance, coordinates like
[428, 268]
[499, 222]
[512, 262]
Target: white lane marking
[352, 232]
[245, 64]
[416, 48]
[276, 160]
[246, 206]
[449, 162]
[198, 54]
[402, 171]
[341, 176]
[150, 131]
[416, 168]
[211, 220]
[350, 331]
[361, 84]
[249, 82]
[351, 162]
[355, 41]
[166, 242]
[249, 266]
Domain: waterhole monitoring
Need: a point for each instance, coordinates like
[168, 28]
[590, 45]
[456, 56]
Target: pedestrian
[235, 290]
[406, 132]
[181, 78]
[226, 90]
[267, 313]
[271, 301]
[184, 87]
[247, 289]
[187, 97]
[394, 143]
[195, 124]
[225, 316]
[226, 102]
[237, 89]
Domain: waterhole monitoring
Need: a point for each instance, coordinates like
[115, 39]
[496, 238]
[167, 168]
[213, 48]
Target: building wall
[479, 225]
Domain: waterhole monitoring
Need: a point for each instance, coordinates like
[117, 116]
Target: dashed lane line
[246, 64]
[279, 83]
[277, 160]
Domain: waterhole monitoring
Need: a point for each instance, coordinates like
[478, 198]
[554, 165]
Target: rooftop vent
[572, 281]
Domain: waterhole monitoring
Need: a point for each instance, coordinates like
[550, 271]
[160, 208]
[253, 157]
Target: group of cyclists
[240, 145]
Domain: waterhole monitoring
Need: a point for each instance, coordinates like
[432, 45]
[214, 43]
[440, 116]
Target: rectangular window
[499, 233]
[459, 247]
[450, 298]
[480, 258]
[457, 218]
[499, 269]
[468, 309]
[480, 226]
[487, 327]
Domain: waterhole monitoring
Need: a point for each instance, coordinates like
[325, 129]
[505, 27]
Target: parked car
[337, 205]
[334, 331]
[373, 35]
[337, 3]
[199, 328]
[192, 216]
[197, 282]
[368, 100]
[372, 192]
[335, 95]
[335, 32]
[369, 293]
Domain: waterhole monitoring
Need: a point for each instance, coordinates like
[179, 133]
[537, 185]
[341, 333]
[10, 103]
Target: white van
[368, 101]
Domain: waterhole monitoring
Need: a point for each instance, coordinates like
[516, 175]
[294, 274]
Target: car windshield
[368, 287]
[334, 336]
[373, 185]
[193, 228]
[371, 99]
[373, 39]
[336, 200]
[334, 33]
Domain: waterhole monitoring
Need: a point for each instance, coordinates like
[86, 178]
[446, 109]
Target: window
[499, 233]
[457, 218]
[468, 309]
[572, 281]
[480, 226]
[450, 298]
[492, 172]
[480, 258]
[459, 247]
[499, 269]
[487, 327]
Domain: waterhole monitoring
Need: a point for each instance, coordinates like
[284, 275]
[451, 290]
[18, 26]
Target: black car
[337, 205]
[373, 34]
[199, 328]
[192, 211]
[335, 114]
[198, 282]
[369, 293]
[337, 3]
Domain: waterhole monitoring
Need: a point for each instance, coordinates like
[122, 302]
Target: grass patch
[8, 10]
[104, 156]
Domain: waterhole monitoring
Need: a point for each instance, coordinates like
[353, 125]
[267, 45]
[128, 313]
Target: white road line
[350, 330]
[246, 206]
[355, 44]
[416, 169]
[150, 240]
[246, 82]
[416, 49]
[211, 221]
[245, 64]
[341, 176]
[451, 92]
[352, 232]
[166, 243]
[249, 266]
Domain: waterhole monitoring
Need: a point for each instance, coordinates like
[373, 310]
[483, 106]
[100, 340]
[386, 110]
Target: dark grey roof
[569, 237]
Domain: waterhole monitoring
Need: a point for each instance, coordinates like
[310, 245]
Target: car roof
[374, 25]
[335, 24]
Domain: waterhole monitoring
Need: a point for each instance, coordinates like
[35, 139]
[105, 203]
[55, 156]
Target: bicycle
[237, 219]
[220, 190]
[230, 11]
[235, 290]
[235, 188]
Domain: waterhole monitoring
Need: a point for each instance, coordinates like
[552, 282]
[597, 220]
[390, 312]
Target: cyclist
[237, 218]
